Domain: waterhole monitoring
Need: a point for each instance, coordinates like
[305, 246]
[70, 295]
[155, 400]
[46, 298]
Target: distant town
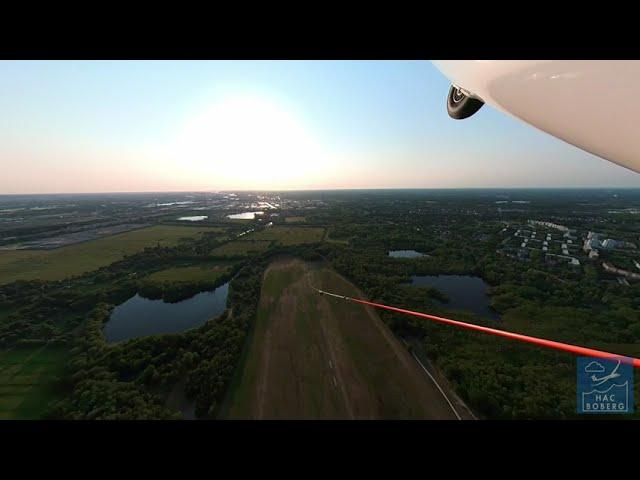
[558, 243]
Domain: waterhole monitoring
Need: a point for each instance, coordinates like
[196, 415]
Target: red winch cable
[565, 347]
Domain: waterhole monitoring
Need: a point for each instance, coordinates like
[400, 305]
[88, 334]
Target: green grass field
[260, 241]
[204, 272]
[290, 235]
[26, 377]
[84, 257]
[316, 357]
[295, 219]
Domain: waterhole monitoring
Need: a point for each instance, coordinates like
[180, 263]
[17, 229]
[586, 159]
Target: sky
[129, 126]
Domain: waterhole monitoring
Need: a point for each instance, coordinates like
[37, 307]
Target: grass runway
[315, 357]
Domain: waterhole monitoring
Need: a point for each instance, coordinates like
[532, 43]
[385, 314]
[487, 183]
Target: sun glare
[248, 142]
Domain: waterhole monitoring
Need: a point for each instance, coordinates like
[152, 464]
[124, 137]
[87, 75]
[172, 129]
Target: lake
[244, 216]
[405, 254]
[139, 316]
[464, 291]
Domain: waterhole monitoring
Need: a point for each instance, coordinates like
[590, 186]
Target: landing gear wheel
[461, 106]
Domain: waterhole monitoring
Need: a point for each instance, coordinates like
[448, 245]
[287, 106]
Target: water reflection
[465, 292]
[138, 316]
[405, 254]
[244, 216]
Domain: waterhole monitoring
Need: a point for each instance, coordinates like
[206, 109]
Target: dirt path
[263, 378]
[335, 365]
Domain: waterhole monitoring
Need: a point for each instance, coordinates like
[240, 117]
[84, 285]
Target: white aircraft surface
[592, 104]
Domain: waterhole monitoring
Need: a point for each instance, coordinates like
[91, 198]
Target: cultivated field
[295, 219]
[194, 273]
[290, 235]
[83, 257]
[317, 357]
[26, 375]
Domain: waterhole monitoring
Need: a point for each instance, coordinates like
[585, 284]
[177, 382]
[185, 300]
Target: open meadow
[209, 271]
[75, 259]
[26, 378]
[240, 248]
[290, 235]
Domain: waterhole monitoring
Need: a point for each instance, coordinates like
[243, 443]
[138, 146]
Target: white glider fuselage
[592, 104]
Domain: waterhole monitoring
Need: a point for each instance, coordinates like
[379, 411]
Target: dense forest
[129, 380]
[497, 377]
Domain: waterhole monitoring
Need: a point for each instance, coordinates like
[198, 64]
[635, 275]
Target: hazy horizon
[80, 127]
[293, 190]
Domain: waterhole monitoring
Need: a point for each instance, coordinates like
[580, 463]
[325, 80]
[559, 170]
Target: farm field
[295, 219]
[316, 357]
[83, 257]
[290, 235]
[194, 273]
[26, 377]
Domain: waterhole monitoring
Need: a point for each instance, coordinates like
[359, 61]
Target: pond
[465, 292]
[244, 216]
[139, 316]
[406, 254]
[193, 218]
